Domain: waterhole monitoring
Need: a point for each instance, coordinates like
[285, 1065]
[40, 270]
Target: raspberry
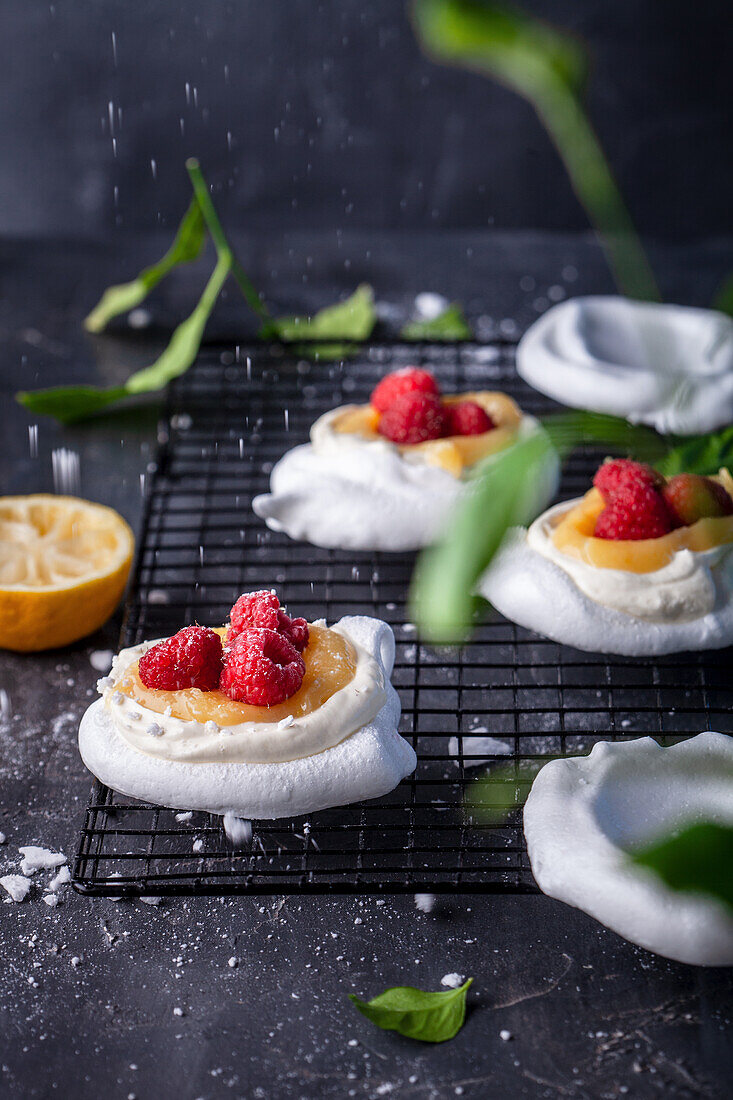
[691, 497]
[640, 514]
[467, 418]
[407, 380]
[263, 609]
[191, 658]
[622, 475]
[262, 668]
[413, 418]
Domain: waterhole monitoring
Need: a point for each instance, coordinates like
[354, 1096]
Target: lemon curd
[573, 535]
[330, 664]
[452, 453]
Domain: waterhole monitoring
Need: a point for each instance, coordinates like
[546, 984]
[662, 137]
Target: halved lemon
[64, 564]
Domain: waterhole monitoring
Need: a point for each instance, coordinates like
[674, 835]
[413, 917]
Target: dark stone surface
[309, 113]
[589, 1015]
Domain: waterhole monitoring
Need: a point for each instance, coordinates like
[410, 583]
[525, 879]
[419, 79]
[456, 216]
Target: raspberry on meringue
[387, 475]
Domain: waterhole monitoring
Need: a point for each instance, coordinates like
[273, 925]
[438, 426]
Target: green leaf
[187, 245]
[548, 68]
[697, 860]
[448, 325]
[573, 429]
[70, 403]
[339, 326]
[700, 454]
[503, 494]
[724, 298]
[430, 1017]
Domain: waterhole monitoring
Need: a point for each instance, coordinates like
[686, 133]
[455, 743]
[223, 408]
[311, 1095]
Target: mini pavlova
[264, 718]
[385, 476]
[638, 566]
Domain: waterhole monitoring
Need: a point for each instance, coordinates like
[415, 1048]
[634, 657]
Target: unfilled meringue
[585, 815]
[664, 365]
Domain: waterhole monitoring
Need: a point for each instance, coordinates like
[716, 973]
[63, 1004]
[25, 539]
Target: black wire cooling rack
[229, 420]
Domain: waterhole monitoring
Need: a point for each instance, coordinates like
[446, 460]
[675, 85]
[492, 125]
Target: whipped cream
[344, 491]
[162, 735]
[682, 590]
[665, 365]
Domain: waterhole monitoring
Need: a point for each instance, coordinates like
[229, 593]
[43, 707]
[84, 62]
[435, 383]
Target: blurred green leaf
[70, 403]
[724, 298]
[699, 860]
[548, 68]
[186, 247]
[503, 494]
[699, 454]
[339, 326]
[430, 1017]
[451, 324]
[500, 496]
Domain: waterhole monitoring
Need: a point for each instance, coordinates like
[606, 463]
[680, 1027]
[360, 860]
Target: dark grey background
[337, 121]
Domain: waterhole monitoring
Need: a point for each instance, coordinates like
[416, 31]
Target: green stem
[593, 183]
[223, 247]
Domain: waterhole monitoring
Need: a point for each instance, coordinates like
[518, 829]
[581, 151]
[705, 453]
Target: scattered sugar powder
[101, 659]
[61, 879]
[17, 886]
[39, 859]
[238, 830]
[51, 900]
[184, 816]
[425, 902]
[479, 746]
[452, 980]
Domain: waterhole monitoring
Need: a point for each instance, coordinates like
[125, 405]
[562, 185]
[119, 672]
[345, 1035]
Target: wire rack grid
[228, 421]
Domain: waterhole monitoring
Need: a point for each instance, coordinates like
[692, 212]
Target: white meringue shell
[664, 365]
[585, 814]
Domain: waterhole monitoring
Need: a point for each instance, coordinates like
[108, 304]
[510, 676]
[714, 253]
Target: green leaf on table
[697, 860]
[548, 68]
[332, 331]
[430, 1017]
[448, 325]
[700, 454]
[70, 403]
[186, 247]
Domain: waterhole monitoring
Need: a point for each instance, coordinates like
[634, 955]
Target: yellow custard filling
[453, 453]
[573, 535]
[330, 664]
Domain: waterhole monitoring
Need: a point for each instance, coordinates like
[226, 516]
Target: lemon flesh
[64, 564]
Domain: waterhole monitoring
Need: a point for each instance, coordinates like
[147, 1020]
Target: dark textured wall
[325, 114]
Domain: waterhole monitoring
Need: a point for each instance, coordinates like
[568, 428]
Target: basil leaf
[548, 68]
[70, 403]
[430, 1017]
[700, 454]
[338, 326]
[187, 245]
[500, 496]
[573, 429]
[448, 325]
[697, 860]
[724, 298]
